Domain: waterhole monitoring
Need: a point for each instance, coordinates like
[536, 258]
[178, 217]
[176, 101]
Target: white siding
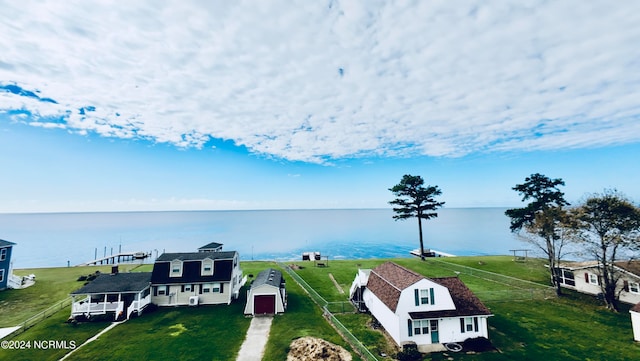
[175, 296]
[635, 324]
[442, 298]
[264, 290]
[582, 285]
[385, 316]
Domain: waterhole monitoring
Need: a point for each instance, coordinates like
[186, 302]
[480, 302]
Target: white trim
[207, 262]
[178, 265]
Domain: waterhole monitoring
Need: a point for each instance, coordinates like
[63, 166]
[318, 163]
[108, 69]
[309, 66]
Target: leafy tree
[608, 224]
[541, 221]
[415, 200]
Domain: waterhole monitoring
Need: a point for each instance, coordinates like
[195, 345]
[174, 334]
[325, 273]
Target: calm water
[47, 240]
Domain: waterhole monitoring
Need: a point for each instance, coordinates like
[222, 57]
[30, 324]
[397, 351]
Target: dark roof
[4, 243]
[388, 280]
[116, 283]
[195, 256]
[192, 269]
[467, 304]
[212, 245]
[269, 277]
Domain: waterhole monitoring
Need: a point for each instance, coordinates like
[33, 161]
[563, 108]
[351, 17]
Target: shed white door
[264, 304]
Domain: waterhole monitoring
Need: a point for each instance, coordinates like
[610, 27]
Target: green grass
[184, 333]
[302, 318]
[52, 285]
[53, 328]
[573, 327]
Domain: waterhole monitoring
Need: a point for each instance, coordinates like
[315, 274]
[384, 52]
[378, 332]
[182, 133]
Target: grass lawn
[53, 328]
[574, 327]
[52, 285]
[183, 333]
[180, 333]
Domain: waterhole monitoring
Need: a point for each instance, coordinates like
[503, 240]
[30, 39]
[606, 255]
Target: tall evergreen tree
[415, 200]
[542, 219]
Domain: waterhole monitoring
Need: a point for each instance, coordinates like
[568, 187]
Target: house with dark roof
[5, 263]
[211, 247]
[119, 294]
[585, 277]
[196, 278]
[267, 294]
[415, 309]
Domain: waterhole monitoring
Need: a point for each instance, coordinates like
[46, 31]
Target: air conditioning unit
[193, 301]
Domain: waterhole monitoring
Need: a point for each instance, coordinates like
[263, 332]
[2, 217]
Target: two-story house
[412, 308]
[5, 263]
[196, 278]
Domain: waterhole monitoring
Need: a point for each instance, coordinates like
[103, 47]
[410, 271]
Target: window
[1, 275]
[206, 288]
[634, 287]
[424, 296]
[176, 268]
[592, 279]
[162, 290]
[420, 327]
[566, 276]
[187, 288]
[3, 254]
[207, 267]
[216, 287]
[468, 324]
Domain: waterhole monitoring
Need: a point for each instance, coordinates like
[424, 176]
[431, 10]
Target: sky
[219, 105]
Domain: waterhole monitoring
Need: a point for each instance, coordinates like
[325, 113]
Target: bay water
[61, 239]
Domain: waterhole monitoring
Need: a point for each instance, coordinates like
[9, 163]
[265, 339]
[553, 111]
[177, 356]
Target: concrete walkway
[112, 325]
[253, 346]
[4, 332]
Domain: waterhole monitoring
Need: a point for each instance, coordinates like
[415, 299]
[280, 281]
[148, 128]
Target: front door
[434, 332]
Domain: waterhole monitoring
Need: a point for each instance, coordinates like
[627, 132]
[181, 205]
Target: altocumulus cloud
[316, 81]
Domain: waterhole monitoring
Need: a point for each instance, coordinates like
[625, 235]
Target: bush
[478, 344]
[409, 353]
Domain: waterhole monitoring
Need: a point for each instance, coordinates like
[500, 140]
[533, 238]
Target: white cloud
[316, 81]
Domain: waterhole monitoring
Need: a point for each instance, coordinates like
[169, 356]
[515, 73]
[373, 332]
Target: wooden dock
[117, 258]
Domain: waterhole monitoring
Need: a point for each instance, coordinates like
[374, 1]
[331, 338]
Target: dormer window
[176, 268]
[424, 296]
[3, 254]
[207, 267]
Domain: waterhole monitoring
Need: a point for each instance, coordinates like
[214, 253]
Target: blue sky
[268, 105]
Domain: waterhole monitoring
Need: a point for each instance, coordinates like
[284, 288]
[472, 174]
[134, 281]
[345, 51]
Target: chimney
[114, 270]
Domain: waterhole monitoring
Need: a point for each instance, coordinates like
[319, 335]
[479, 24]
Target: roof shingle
[116, 283]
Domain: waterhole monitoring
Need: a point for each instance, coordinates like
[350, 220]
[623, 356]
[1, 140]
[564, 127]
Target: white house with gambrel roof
[426, 311]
